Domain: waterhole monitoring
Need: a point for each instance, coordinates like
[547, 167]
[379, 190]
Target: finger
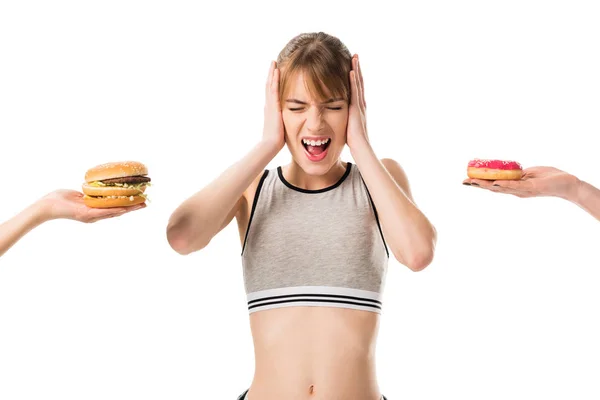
[133, 208]
[506, 188]
[353, 89]
[480, 183]
[518, 193]
[513, 185]
[99, 218]
[361, 84]
[275, 82]
[270, 76]
[101, 213]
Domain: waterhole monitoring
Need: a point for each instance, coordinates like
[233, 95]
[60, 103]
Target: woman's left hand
[356, 132]
[536, 181]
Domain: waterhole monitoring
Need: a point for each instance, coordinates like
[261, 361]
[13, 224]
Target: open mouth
[316, 147]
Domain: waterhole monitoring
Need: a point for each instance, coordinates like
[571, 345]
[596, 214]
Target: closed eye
[302, 108]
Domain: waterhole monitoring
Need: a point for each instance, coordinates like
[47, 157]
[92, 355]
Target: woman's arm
[408, 233]
[15, 228]
[547, 181]
[198, 219]
[587, 197]
[66, 204]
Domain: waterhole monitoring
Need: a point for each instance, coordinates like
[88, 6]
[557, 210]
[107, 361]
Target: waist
[323, 348]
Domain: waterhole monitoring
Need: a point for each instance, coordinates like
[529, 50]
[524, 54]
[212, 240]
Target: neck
[295, 175]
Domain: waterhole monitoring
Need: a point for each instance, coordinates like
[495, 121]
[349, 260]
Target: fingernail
[466, 184]
[474, 184]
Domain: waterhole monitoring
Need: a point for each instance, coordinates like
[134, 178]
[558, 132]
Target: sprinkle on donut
[495, 164]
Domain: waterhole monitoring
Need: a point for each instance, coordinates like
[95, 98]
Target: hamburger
[116, 184]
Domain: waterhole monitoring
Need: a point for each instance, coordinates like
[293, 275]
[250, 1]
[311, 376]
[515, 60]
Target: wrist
[270, 146]
[573, 190]
[42, 211]
[359, 146]
[34, 215]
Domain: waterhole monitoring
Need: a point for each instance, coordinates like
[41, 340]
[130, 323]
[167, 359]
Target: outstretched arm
[588, 198]
[58, 204]
[547, 181]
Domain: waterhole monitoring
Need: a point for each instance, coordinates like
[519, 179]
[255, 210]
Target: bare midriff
[314, 353]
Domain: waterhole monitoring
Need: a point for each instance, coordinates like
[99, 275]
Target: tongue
[315, 150]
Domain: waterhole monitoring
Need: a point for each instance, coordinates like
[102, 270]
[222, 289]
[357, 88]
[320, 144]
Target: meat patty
[128, 179]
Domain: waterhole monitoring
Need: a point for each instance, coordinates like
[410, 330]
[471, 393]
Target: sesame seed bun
[108, 202]
[115, 170]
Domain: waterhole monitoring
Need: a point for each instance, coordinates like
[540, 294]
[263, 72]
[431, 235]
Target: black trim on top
[339, 296]
[258, 188]
[315, 298]
[376, 216]
[338, 183]
[315, 301]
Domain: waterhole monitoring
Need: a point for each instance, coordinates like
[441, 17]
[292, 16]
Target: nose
[314, 119]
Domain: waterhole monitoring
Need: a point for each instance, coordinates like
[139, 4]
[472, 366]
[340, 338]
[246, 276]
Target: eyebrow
[304, 103]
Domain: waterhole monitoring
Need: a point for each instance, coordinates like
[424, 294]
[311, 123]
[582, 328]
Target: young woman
[547, 181]
[316, 234]
[58, 204]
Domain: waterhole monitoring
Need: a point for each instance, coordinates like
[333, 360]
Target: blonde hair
[324, 61]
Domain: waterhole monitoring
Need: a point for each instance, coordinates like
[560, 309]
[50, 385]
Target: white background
[507, 310]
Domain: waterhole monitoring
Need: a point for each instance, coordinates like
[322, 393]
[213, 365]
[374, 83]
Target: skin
[60, 204]
[294, 355]
[547, 181]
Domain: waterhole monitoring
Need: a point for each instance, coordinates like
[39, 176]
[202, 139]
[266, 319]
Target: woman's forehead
[301, 85]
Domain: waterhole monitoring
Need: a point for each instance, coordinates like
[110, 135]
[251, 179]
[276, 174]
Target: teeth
[315, 142]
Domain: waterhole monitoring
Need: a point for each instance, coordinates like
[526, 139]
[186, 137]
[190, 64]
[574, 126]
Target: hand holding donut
[535, 181]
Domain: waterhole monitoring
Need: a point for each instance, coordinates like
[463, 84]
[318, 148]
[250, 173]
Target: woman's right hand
[69, 204]
[273, 131]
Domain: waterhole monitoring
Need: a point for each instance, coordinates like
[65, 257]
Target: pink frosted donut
[494, 170]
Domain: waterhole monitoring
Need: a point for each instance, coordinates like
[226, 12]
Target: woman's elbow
[420, 260]
[421, 256]
[180, 239]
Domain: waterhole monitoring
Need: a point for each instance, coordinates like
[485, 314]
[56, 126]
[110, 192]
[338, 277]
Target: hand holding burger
[60, 204]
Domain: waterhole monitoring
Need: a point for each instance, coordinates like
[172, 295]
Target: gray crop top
[314, 247]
